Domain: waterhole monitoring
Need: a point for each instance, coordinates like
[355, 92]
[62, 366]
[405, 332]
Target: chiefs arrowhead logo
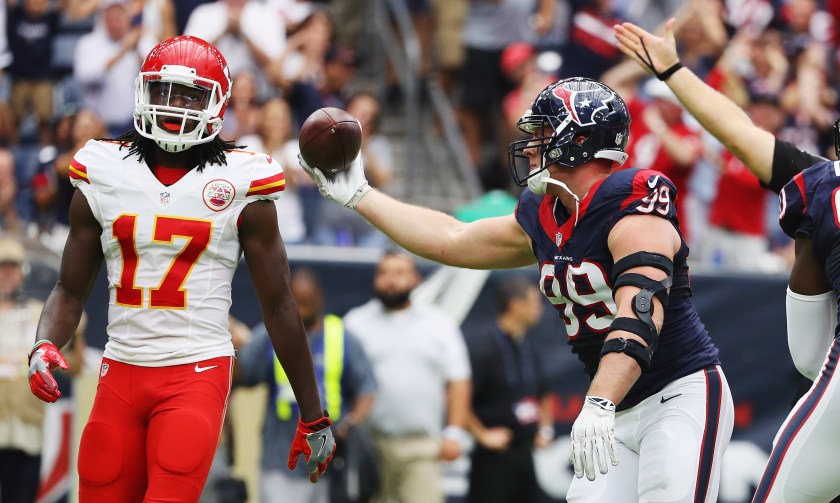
[218, 194]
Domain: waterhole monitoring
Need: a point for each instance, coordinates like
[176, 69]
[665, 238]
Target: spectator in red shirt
[737, 236]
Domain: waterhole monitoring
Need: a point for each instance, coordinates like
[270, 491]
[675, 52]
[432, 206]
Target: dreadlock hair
[212, 152]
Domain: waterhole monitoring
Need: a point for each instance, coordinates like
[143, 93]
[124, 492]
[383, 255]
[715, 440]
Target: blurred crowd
[68, 71]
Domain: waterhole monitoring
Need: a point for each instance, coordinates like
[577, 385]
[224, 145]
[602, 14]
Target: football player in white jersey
[171, 208]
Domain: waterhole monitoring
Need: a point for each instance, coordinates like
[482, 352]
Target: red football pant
[153, 431]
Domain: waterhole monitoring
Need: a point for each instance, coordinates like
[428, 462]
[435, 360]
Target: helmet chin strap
[539, 184]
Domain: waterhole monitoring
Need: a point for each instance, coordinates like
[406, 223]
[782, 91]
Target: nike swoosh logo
[653, 181]
[663, 399]
[202, 369]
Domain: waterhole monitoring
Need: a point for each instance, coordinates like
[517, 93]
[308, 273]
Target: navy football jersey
[576, 274]
[809, 206]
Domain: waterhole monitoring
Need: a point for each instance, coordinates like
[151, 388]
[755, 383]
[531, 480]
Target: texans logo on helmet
[579, 103]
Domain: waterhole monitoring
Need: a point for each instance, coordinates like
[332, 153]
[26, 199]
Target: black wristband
[670, 71]
[648, 62]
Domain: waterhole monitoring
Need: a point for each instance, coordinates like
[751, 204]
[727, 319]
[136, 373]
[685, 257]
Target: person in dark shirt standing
[31, 28]
[511, 408]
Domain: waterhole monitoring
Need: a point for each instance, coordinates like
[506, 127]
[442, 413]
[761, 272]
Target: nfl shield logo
[164, 198]
[104, 370]
[558, 238]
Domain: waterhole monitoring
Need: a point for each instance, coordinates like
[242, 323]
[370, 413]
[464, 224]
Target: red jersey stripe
[78, 171]
[268, 185]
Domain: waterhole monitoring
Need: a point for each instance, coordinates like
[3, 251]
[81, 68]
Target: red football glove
[315, 441]
[44, 358]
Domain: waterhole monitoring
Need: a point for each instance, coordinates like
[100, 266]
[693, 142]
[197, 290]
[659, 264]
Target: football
[330, 140]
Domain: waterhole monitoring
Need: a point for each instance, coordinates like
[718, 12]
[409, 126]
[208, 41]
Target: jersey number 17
[169, 294]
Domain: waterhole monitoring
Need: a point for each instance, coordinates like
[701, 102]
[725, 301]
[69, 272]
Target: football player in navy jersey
[796, 471]
[658, 413]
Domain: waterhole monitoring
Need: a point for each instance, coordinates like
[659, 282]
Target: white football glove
[593, 437]
[346, 188]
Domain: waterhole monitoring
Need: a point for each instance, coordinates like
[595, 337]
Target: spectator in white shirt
[420, 361]
[106, 63]
[249, 34]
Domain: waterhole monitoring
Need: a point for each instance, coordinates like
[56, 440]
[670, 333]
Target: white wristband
[456, 433]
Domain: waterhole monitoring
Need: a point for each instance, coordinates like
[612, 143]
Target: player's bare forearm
[80, 263]
[269, 267]
[490, 243]
[59, 318]
[727, 122]
[616, 374]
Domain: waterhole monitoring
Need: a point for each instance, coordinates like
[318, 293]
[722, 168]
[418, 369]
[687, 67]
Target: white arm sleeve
[810, 329]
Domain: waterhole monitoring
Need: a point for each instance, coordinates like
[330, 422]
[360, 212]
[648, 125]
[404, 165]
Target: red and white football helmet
[176, 120]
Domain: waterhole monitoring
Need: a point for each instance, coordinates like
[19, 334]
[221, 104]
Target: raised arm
[491, 243]
[719, 115]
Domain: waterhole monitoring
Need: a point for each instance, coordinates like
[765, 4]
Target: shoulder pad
[641, 191]
[799, 194]
[97, 156]
[266, 177]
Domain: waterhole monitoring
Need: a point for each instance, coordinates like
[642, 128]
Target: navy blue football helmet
[571, 121]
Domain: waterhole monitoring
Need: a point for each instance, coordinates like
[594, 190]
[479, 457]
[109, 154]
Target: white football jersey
[170, 251]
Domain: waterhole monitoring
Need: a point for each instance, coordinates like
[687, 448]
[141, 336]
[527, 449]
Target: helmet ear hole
[580, 138]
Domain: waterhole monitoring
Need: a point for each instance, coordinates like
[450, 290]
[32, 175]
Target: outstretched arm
[719, 115]
[491, 243]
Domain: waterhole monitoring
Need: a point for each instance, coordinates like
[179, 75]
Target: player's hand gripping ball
[330, 140]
